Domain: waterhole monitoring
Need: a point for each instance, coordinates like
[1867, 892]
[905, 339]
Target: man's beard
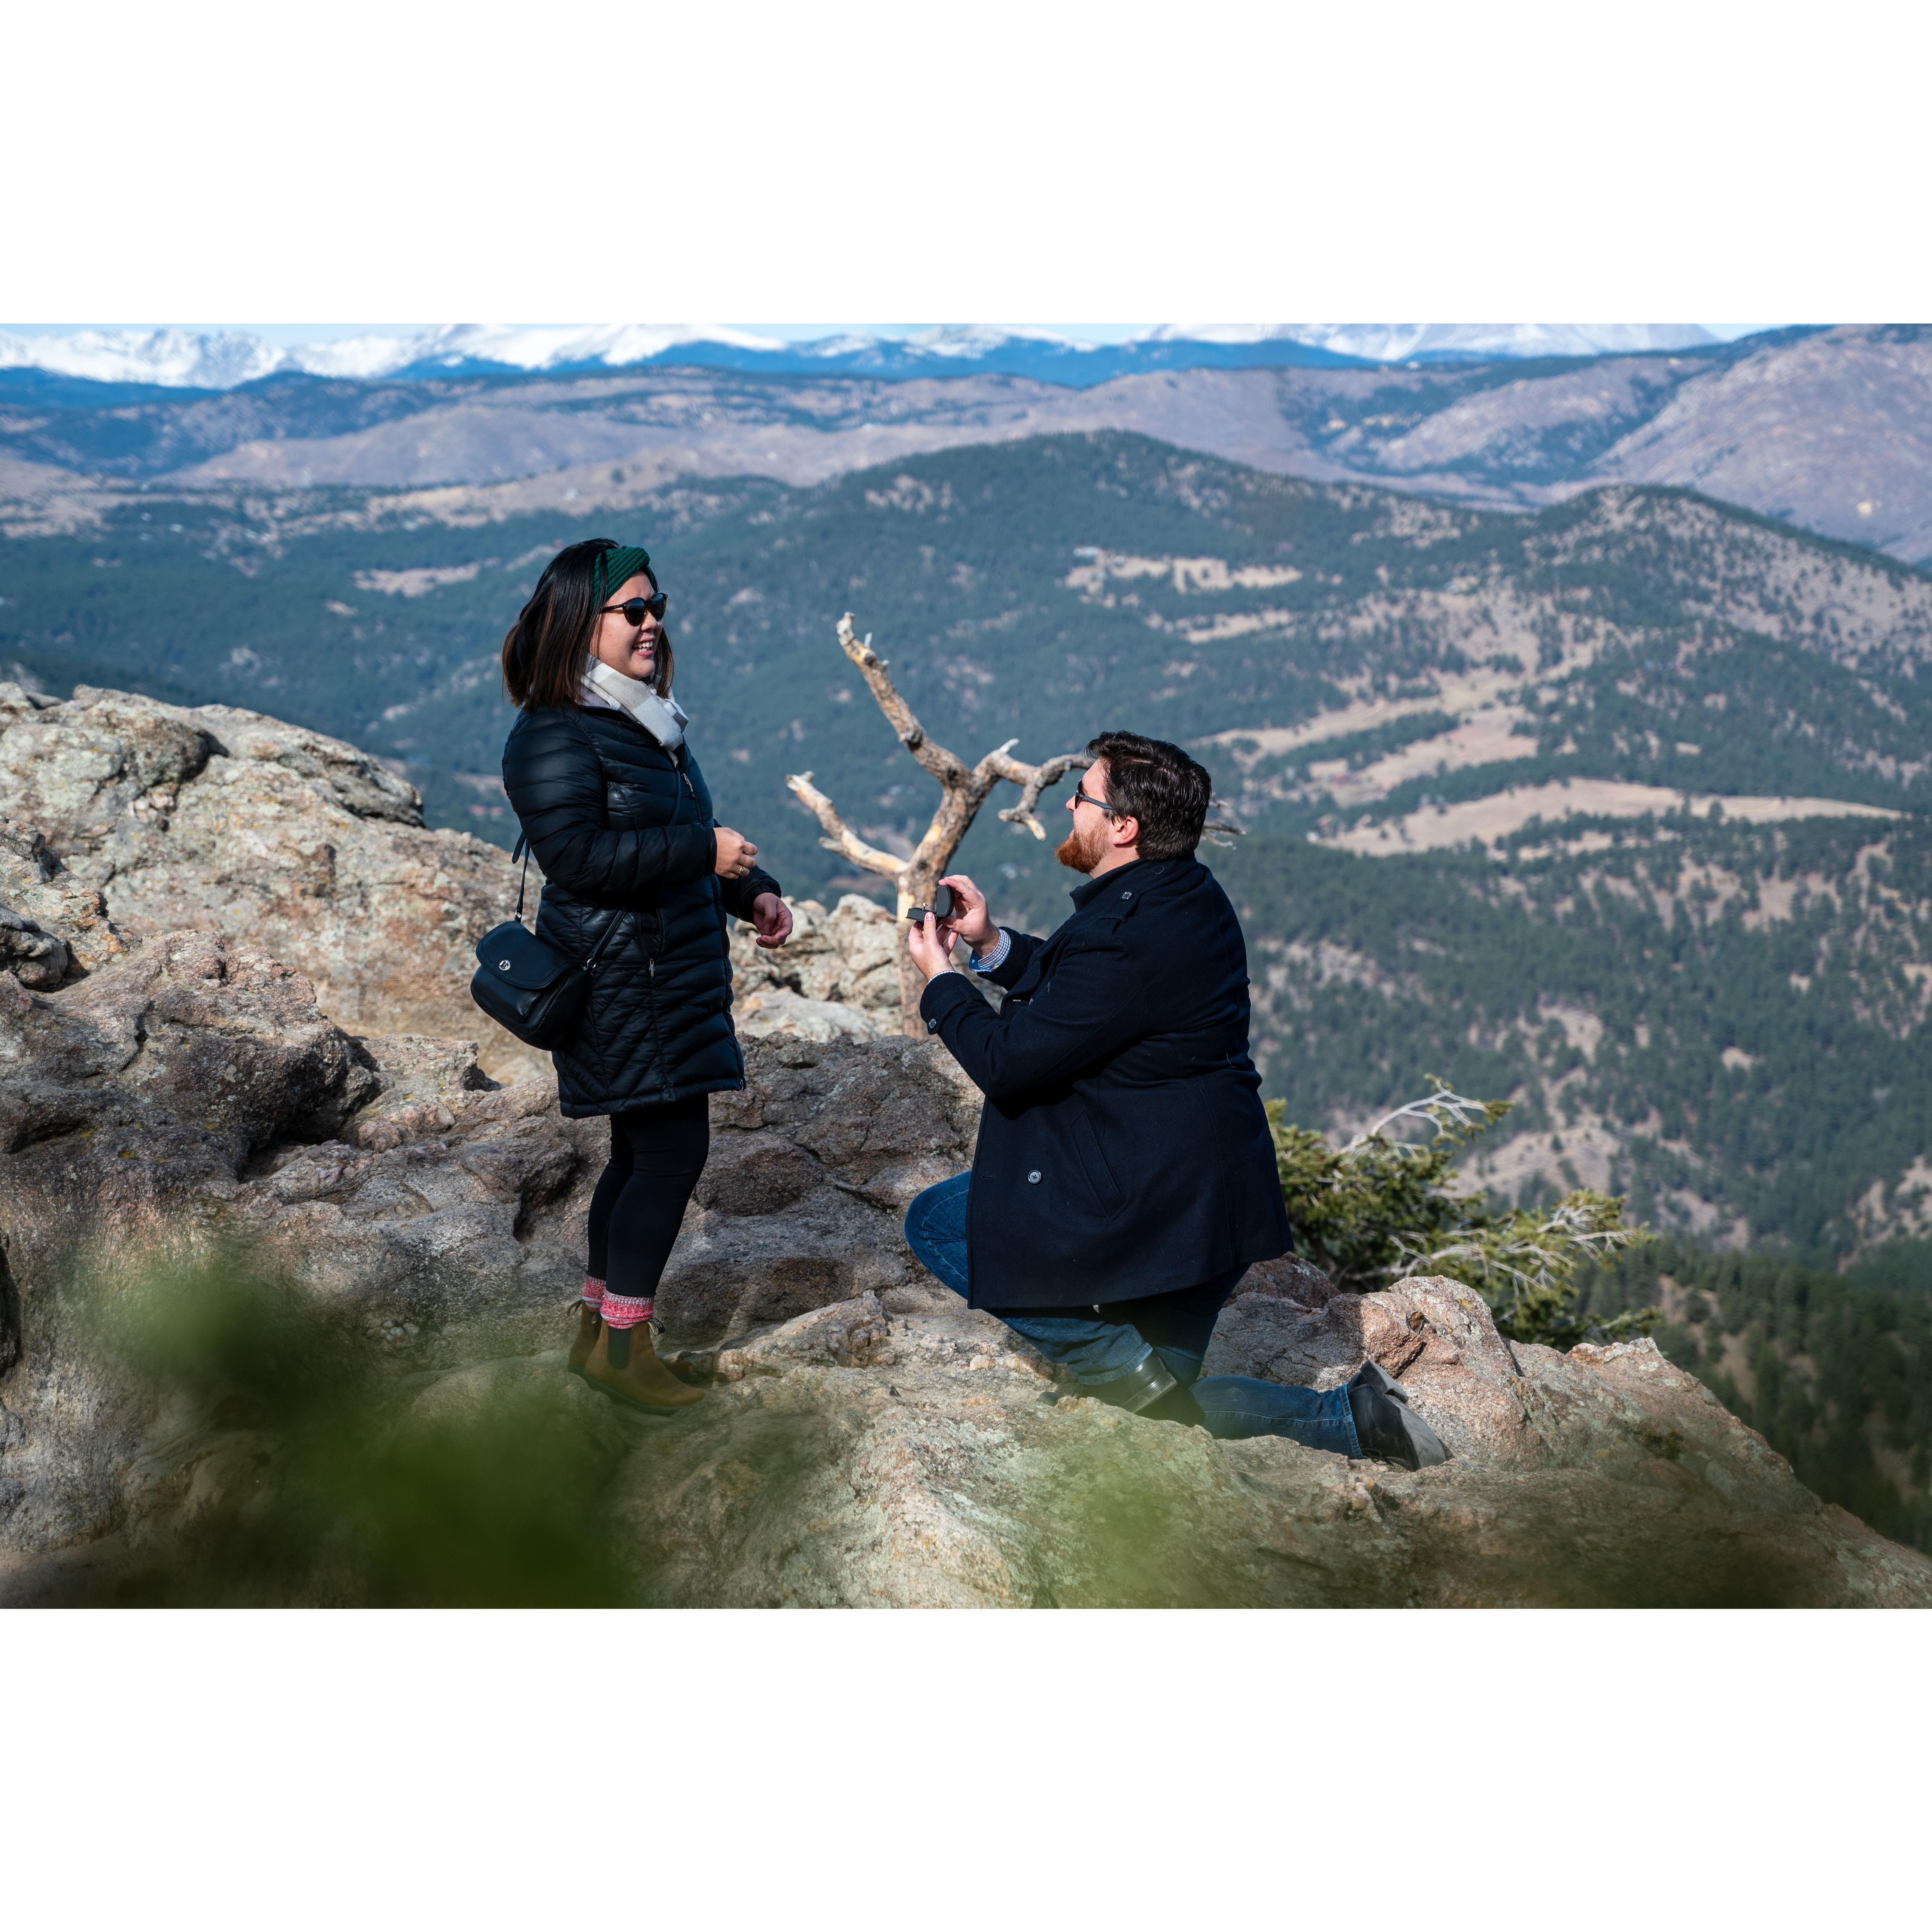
[1080, 855]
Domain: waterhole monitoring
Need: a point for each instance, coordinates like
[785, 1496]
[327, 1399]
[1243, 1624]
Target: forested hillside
[1539, 803]
[1035, 589]
[1725, 1022]
[1831, 1368]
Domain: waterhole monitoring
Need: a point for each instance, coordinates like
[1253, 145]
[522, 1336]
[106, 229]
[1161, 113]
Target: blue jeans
[1102, 1344]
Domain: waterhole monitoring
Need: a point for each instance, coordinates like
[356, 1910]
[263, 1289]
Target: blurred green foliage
[311, 1475]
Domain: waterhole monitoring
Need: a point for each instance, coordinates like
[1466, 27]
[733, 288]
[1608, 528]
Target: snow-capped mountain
[188, 358]
[223, 359]
[174, 358]
[614, 345]
[203, 359]
[1461, 341]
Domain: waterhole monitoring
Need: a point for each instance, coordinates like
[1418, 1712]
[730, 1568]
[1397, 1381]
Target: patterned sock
[593, 1292]
[627, 1311]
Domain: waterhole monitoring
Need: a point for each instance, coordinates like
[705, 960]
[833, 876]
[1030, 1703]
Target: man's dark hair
[1159, 784]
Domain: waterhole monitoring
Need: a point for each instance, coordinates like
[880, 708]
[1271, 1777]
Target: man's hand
[970, 920]
[772, 918]
[931, 946]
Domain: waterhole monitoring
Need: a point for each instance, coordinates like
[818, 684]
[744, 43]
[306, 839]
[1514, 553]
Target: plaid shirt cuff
[985, 962]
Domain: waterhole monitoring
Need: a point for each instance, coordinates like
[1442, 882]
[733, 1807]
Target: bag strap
[521, 850]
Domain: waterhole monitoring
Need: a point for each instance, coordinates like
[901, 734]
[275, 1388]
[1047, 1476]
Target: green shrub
[1381, 1207]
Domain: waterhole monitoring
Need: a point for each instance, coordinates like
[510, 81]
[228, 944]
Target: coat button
[1034, 1176]
[502, 965]
[1127, 896]
[932, 1026]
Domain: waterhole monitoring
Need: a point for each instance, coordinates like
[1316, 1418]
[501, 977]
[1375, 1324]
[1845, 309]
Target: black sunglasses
[1099, 805]
[633, 610]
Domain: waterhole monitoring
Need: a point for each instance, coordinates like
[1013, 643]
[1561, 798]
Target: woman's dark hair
[545, 650]
[1159, 784]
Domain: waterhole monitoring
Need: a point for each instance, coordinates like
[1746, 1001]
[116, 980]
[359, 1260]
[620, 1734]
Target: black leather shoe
[1373, 1374]
[1388, 1430]
[1149, 1390]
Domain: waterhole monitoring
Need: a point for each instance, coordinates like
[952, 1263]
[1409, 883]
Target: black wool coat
[624, 832]
[1122, 1149]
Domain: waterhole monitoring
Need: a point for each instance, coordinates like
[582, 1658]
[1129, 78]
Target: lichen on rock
[230, 823]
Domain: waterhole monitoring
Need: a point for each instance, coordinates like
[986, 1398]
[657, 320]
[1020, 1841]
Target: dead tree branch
[963, 790]
[1225, 829]
[948, 769]
[842, 838]
[1032, 780]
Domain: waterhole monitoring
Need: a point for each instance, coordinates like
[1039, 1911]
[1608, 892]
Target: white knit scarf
[662, 717]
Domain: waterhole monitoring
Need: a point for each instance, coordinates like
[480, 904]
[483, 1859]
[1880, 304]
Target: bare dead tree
[963, 788]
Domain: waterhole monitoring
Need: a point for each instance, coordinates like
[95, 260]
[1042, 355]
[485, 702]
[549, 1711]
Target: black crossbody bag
[527, 988]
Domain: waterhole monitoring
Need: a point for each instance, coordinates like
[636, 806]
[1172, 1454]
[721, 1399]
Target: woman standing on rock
[614, 807]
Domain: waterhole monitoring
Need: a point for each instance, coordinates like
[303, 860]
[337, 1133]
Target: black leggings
[656, 1155]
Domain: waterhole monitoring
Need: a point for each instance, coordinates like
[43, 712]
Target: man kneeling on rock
[1125, 1178]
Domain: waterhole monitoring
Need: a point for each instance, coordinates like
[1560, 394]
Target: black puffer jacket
[623, 831]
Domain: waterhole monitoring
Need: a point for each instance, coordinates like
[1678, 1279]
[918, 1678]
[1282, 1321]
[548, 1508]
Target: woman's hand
[970, 920]
[931, 947]
[772, 918]
[735, 854]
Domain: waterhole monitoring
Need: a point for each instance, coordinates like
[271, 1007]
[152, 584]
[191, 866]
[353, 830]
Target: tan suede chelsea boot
[638, 1378]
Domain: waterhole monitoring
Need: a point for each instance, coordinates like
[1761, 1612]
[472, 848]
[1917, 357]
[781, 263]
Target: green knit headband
[617, 566]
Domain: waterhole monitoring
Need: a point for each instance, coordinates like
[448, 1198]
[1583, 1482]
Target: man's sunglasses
[1099, 805]
[634, 610]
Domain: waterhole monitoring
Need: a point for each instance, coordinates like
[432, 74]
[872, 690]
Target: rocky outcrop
[35, 957]
[311, 851]
[153, 1078]
[812, 1167]
[867, 1439]
[836, 977]
[901, 1450]
[300, 846]
[52, 927]
[190, 1096]
[898, 1449]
